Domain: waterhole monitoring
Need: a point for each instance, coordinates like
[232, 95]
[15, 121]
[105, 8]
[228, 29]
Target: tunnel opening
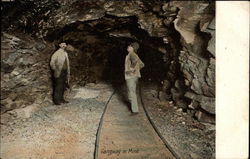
[101, 48]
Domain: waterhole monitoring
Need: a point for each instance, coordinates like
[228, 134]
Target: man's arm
[52, 63]
[68, 67]
[127, 65]
[141, 64]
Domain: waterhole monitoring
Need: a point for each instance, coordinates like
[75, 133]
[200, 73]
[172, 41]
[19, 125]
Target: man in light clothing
[133, 65]
[61, 72]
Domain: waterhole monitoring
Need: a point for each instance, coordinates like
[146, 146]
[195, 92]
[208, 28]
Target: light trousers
[132, 96]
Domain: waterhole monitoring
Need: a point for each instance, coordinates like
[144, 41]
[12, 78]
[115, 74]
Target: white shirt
[57, 62]
[133, 65]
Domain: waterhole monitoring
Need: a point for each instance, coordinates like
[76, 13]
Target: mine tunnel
[176, 91]
[102, 48]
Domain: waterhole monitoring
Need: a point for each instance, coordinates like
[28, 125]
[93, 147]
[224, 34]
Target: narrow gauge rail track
[123, 135]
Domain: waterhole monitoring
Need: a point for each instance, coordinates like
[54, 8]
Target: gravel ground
[69, 131]
[66, 131]
[186, 136]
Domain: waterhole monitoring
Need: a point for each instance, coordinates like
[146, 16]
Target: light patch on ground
[86, 93]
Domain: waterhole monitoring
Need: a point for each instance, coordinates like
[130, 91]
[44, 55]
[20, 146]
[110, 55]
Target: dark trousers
[59, 87]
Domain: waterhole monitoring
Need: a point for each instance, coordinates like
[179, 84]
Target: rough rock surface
[181, 33]
[197, 59]
[187, 137]
[25, 74]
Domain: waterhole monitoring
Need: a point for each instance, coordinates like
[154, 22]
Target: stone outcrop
[197, 57]
[25, 74]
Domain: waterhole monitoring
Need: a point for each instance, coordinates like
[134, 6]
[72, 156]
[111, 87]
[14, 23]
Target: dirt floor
[69, 131]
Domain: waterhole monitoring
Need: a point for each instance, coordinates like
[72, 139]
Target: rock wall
[187, 28]
[25, 73]
[196, 25]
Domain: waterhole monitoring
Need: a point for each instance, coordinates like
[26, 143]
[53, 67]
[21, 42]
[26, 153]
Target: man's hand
[67, 85]
[130, 71]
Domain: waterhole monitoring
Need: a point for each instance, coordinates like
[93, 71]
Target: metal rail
[156, 129]
[99, 128]
[150, 120]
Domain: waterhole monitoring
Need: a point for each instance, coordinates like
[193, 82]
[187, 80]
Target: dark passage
[102, 48]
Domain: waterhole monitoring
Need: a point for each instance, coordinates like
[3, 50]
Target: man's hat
[135, 45]
[62, 45]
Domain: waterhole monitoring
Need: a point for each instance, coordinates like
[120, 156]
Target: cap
[135, 45]
[62, 45]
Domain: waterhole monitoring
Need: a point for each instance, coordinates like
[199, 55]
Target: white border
[232, 79]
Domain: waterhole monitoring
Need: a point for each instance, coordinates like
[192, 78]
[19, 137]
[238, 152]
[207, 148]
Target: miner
[133, 65]
[61, 73]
